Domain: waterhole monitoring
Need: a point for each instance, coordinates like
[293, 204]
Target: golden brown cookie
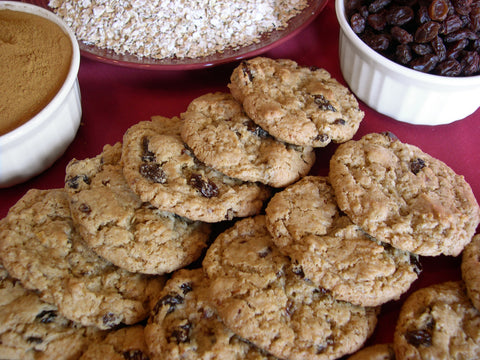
[402, 196]
[163, 171]
[297, 104]
[41, 247]
[123, 229]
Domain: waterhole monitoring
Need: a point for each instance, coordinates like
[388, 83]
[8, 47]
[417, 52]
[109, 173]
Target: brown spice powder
[35, 57]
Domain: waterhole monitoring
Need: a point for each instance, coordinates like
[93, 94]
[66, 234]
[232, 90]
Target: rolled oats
[163, 29]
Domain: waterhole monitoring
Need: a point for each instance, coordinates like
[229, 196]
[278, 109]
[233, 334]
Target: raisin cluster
[439, 37]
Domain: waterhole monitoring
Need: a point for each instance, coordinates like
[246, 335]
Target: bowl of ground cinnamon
[40, 108]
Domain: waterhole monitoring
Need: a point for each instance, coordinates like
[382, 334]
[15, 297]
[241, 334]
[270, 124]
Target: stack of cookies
[207, 235]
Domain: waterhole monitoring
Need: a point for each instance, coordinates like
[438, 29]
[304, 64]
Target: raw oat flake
[163, 29]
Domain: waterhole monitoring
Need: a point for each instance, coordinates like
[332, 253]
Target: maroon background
[115, 97]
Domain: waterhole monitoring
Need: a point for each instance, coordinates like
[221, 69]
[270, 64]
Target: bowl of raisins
[417, 61]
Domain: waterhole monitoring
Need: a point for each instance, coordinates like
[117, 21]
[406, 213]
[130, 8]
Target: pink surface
[115, 97]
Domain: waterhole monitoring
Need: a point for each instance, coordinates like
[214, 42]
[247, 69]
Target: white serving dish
[399, 92]
[34, 146]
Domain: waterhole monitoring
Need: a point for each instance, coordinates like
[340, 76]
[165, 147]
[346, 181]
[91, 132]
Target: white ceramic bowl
[34, 146]
[399, 92]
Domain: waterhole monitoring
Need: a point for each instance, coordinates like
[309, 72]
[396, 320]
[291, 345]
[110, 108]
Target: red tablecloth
[115, 97]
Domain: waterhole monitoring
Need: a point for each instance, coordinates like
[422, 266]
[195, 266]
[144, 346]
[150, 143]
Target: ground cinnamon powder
[35, 56]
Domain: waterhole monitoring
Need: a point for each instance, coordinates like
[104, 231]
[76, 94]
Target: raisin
[323, 103]
[403, 54]
[454, 50]
[340, 122]
[416, 165]
[378, 5]
[73, 183]
[147, 155]
[135, 354]
[172, 300]
[186, 288]
[34, 340]
[153, 172]
[378, 42]
[414, 260]
[399, 15]
[422, 15]
[451, 23]
[391, 136]
[257, 130]
[357, 22]
[182, 333]
[462, 7]
[84, 208]
[246, 71]
[424, 63]
[474, 20]
[377, 21]
[401, 35]
[46, 316]
[110, 320]
[439, 48]
[207, 188]
[264, 253]
[298, 270]
[322, 138]
[419, 338]
[427, 32]
[289, 308]
[352, 5]
[328, 342]
[470, 62]
[422, 49]
[449, 67]
[438, 10]
[460, 35]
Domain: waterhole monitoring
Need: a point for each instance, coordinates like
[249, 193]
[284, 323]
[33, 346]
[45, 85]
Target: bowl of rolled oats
[179, 35]
[417, 61]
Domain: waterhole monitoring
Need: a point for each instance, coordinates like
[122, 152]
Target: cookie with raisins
[184, 325]
[438, 322]
[299, 105]
[221, 135]
[333, 253]
[123, 343]
[258, 295]
[41, 247]
[163, 170]
[402, 196]
[471, 270]
[123, 229]
[33, 329]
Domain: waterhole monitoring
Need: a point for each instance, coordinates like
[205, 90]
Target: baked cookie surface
[259, 297]
[375, 352]
[124, 343]
[123, 229]
[402, 196]
[222, 136]
[438, 322]
[41, 247]
[471, 270]
[33, 329]
[160, 168]
[332, 252]
[184, 325]
[299, 105]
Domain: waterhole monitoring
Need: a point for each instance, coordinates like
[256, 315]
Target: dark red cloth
[115, 97]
